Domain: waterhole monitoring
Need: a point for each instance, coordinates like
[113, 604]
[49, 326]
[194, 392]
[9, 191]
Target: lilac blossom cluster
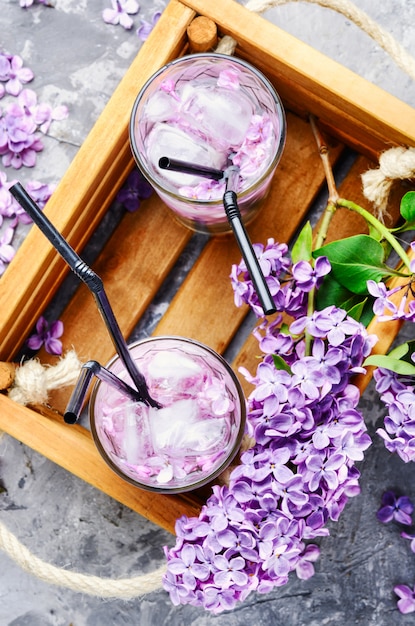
[385, 308]
[399, 509]
[397, 394]
[301, 470]
[21, 121]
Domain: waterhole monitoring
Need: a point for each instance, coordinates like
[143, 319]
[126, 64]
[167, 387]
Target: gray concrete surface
[78, 60]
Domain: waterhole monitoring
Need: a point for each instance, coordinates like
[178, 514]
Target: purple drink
[187, 442]
[211, 110]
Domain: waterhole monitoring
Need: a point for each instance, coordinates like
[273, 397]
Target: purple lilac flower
[146, 27]
[41, 114]
[307, 276]
[47, 334]
[18, 125]
[120, 13]
[397, 394]
[406, 602]
[308, 436]
[305, 567]
[7, 251]
[385, 308]
[135, 189]
[398, 508]
[13, 74]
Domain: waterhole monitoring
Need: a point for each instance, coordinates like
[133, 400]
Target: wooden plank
[361, 113]
[74, 450]
[85, 191]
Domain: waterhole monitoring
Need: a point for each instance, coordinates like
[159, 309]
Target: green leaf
[400, 351]
[280, 364]
[354, 261]
[408, 207]
[356, 311]
[389, 363]
[332, 292]
[301, 250]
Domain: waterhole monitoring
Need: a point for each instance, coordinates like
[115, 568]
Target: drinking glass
[216, 111]
[195, 434]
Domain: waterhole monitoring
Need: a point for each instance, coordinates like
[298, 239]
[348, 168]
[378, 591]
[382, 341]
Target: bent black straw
[165, 163]
[235, 221]
[88, 370]
[233, 214]
[91, 280]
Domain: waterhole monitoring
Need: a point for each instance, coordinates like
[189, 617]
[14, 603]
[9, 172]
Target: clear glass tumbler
[195, 434]
[216, 111]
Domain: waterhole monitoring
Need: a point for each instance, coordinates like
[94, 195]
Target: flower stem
[381, 228]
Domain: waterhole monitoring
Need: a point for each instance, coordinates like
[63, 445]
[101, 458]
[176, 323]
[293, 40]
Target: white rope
[394, 164]
[140, 585]
[124, 588]
[33, 381]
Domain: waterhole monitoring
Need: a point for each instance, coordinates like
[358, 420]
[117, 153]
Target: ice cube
[135, 437]
[223, 115]
[160, 107]
[179, 429]
[173, 366]
[169, 141]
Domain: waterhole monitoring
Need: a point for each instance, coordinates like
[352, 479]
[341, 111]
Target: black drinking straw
[91, 280]
[233, 214]
[165, 163]
[88, 370]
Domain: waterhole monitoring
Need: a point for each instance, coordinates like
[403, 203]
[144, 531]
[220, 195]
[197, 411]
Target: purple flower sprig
[135, 189]
[308, 433]
[399, 509]
[20, 122]
[47, 334]
[398, 396]
[12, 214]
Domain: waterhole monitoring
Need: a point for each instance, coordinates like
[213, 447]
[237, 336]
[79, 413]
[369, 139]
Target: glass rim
[197, 483]
[271, 166]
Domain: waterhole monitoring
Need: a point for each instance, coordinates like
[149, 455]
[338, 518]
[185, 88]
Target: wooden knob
[203, 34]
[7, 373]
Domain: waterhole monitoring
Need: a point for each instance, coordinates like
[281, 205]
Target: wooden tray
[147, 244]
